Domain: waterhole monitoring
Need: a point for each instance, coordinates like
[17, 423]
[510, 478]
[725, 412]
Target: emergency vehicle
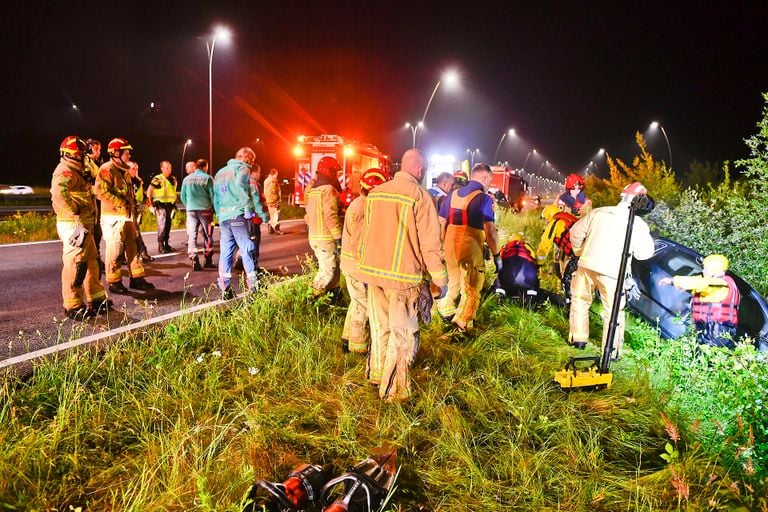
[354, 158]
[509, 183]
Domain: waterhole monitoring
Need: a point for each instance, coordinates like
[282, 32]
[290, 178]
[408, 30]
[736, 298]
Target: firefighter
[597, 242]
[460, 179]
[73, 202]
[234, 209]
[468, 220]
[117, 223]
[714, 302]
[324, 224]
[557, 234]
[197, 196]
[355, 335]
[574, 199]
[519, 272]
[272, 195]
[138, 195]
[443, 185]
[161, 194]
[400, 244]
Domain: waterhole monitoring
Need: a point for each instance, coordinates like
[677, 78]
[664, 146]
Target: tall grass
[27, 227]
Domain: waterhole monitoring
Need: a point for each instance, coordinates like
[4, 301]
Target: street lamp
[450, 77]
[655, 125]
[527, 157]
[472, 153]
[511, 133]
[183, 153]
[414, 129]
[223, 34]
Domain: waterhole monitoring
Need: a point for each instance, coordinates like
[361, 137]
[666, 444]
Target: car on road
[670, 308]
[17, 190]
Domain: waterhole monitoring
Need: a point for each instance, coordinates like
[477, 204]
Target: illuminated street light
[414, 129]
[655, 125]
[511, 133]
[472, 153]
[450, 77]
[533, 151]
[183, 153]
[224, 35]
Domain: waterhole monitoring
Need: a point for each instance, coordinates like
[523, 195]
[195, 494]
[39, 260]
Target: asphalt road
[31, 313]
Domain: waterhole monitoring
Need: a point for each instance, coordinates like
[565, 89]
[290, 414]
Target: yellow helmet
[549, 212]
[715, 263]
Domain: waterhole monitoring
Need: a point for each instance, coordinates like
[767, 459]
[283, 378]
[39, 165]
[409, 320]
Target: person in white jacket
[598, 240]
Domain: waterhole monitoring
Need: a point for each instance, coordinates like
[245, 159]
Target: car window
[677, 264]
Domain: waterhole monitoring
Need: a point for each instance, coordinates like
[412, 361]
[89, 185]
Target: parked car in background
[17, 190]
[670, 308]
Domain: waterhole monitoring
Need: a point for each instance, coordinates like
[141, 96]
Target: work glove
[631, 289]
[78, 236]
[248, 215]
[497, 262]
[443, 291]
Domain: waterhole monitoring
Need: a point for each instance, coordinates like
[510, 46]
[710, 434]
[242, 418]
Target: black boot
[209, 262]
[160, 248]
[145, 257]
[139, 283]
[277, 230]
[168, 247]
[118, 288]
[196, 267]
[271, 229]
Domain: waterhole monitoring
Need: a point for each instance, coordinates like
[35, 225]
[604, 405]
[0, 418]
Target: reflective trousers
[120, 236]
[393, 316]
[356, 322]
[199, 220]
[274, 215]
[466, 280]
[328, 272]
[583, 286]
[80, 273]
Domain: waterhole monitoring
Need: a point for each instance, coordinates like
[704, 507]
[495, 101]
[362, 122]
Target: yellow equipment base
[587, 378]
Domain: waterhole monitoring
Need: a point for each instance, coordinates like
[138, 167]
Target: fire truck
[511, 184]
[354, 158]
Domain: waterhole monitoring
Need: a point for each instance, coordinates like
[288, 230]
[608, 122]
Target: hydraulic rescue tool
[597, 375]
[302, 486]
[364, 488]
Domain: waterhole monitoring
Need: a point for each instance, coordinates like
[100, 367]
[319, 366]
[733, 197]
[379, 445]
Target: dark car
[670, 307]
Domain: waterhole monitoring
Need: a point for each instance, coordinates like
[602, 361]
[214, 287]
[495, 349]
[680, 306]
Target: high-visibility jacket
[350, 237]
[715, 299]
[272, 190]
[91, 169]
[517, 248]
[165, 189]
[231, 190]
[463, 243]
[598, 239]
[557, 233]
[197, 191]
[138, 189]
[322, 205]
[114, 189]
[72, 194]
[401, 237]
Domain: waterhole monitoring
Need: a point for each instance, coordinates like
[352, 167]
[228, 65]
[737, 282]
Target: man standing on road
[324, 225]
[597, 240]
[273, 196]
[400, 245]
[138, 196]
[197, 196]
[75, 207]
[261, 216]
[161, 194]
[468, 218]
[234, 208]
[117, 222]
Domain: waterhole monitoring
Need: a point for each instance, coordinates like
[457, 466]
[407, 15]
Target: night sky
[570, 77]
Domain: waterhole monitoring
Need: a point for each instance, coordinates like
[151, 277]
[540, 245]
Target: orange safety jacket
[322, 216]
[71, 194]
[463, 243]
[354, 222]
[115, 190]
[725, 310]
[564, 240]
[517, 248]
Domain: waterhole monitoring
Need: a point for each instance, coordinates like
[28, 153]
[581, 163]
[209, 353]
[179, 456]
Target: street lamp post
[224, 34]
[472, 153]
[655, 125]
[527, 157]
[450, 77]
[414, 128]
[184, 152]
[511, 133]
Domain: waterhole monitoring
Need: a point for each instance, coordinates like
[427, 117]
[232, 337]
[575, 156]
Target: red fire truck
[511, 184]
[353, 156]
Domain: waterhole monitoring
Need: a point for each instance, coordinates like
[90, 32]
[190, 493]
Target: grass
[188, 416]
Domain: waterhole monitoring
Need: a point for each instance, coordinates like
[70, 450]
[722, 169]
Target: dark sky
[570, 77]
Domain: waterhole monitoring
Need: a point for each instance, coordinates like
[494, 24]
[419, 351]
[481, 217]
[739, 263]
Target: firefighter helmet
[635, 189]
[715, 264]
[328, 167]
[460, 178]
[372, 178]
[74, 148]
[117, 146]
[572, 180]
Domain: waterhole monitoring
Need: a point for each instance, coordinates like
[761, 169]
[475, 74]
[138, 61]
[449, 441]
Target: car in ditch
[17, 190]
[670, 308]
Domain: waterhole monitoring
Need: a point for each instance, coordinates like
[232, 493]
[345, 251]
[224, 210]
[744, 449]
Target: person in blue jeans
[197, 196]
[234, 208]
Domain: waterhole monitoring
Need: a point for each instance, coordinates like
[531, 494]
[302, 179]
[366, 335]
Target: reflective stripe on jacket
[323, 213]
[165, 189]
[350, 237]
[401, 237]
[114, 189]
[463, 243]
[72, 194]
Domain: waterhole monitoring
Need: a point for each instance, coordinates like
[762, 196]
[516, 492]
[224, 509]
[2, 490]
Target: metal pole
[669, 148]
[526, 159]
[183, 152]
[496, 154]
[430, 101]
[210, 99]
